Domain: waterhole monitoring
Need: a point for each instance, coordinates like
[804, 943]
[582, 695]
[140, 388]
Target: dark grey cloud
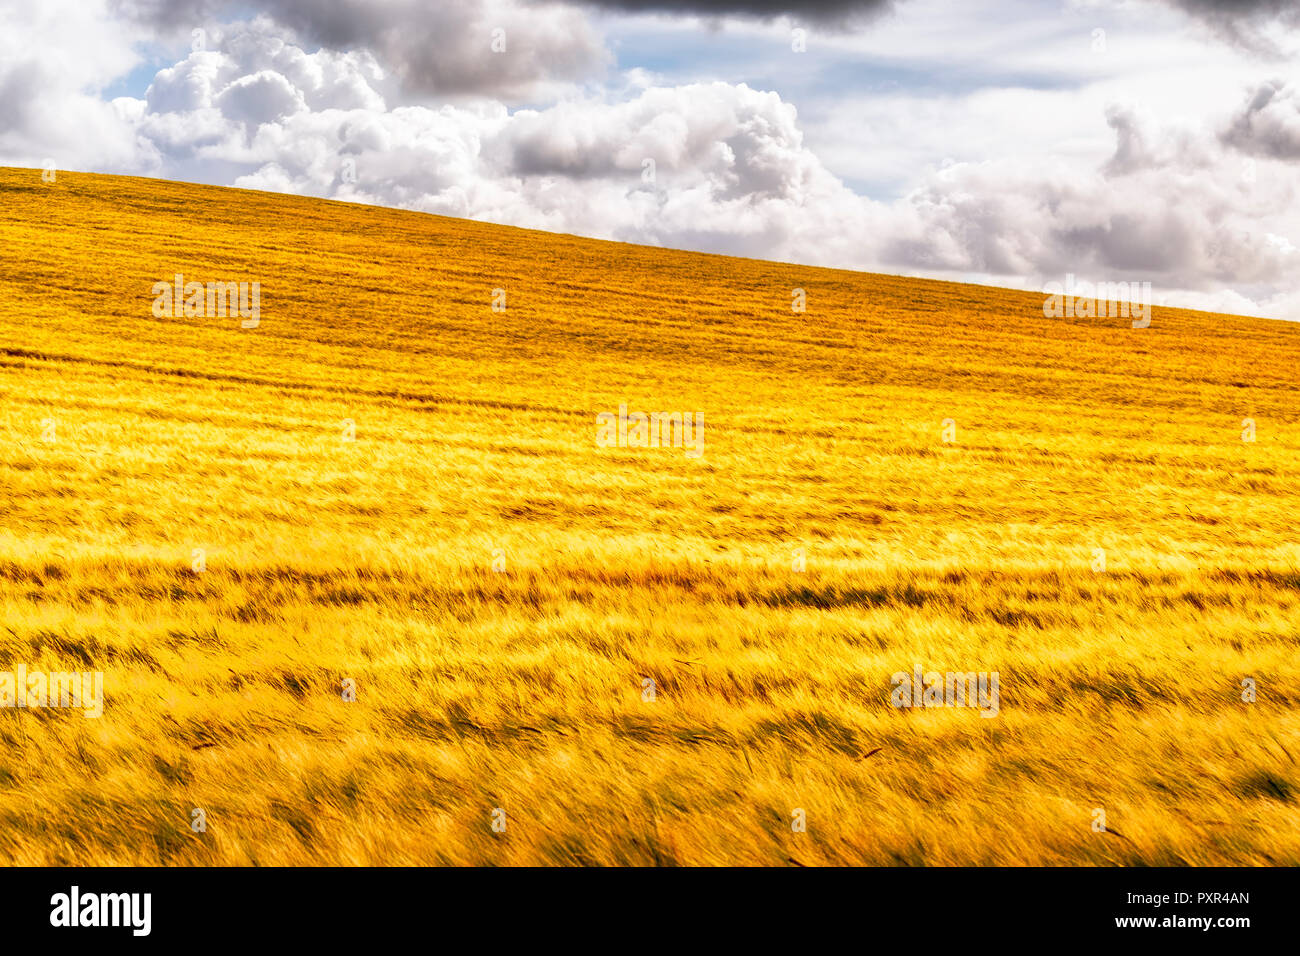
[842, 12]
[1235, 9]
[1245, 23]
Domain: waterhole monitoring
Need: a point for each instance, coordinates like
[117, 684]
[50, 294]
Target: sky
[1010, 142]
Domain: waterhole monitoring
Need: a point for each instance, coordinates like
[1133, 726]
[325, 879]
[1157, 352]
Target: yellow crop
[499, 589]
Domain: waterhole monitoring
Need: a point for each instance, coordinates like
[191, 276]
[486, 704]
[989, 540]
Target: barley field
[567, 653]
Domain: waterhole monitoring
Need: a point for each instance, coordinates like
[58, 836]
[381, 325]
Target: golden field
[497, 586]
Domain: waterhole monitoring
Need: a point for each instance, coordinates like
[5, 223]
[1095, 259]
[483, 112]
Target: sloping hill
[387, 486]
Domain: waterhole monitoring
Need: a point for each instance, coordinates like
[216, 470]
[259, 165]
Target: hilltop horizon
[1041, 294]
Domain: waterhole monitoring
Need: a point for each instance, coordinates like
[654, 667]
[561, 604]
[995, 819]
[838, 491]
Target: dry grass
[521, 689]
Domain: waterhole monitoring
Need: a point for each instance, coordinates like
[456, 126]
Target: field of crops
[391, 488]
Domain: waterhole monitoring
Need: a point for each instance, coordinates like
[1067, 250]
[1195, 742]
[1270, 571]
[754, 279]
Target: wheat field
[390, 486]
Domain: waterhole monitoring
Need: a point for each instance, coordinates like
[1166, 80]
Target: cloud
[54, 60]
[1268, 124]
[260, 98]
[1170, 207]
[1251, 24]
[513, 50]
[715, 166]
[253, 71]
[1142, 147]
[842, 12]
